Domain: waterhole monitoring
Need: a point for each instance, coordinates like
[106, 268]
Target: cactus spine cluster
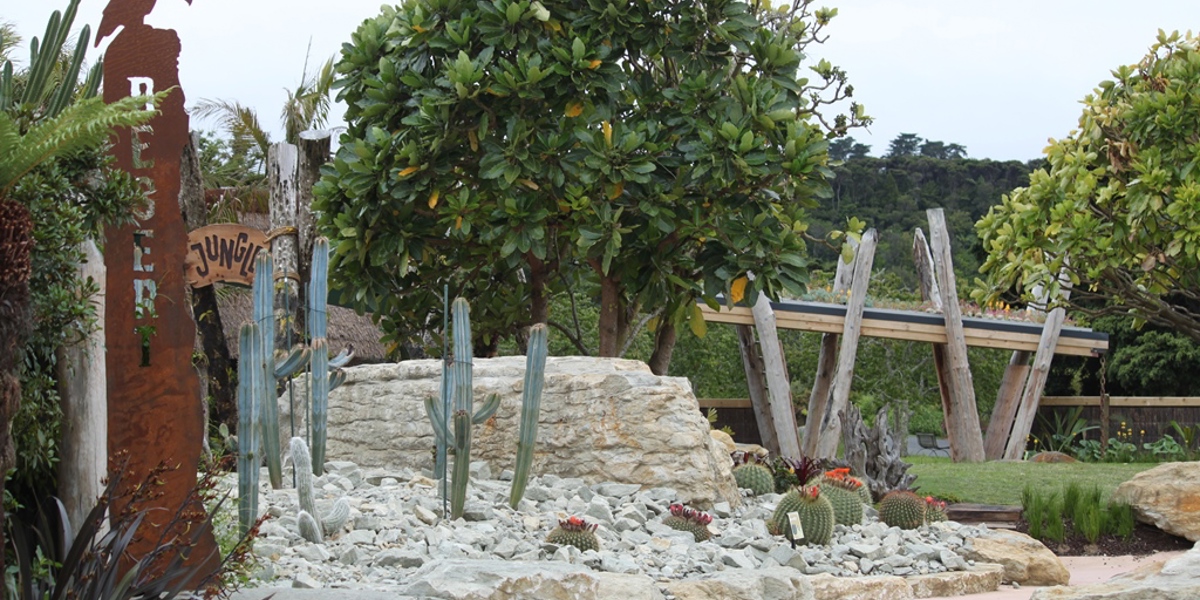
[577, 532]
[531, 403]
[815, 511]
[842, 491]
[902, 509]
[753, 475]
[691, 521]
[310, 529]
[935, 510]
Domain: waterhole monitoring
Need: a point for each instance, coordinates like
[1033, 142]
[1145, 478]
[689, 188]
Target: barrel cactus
[577, 532]
[864, 492]
[842, 492]
[814, 510]
[935, 510]
[691, 521]
[902, 509]
[750, 473]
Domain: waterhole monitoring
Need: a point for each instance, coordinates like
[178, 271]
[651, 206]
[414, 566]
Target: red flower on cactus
[577, 524]
[683, 512]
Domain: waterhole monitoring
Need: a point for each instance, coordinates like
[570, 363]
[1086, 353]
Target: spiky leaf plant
[694, 522]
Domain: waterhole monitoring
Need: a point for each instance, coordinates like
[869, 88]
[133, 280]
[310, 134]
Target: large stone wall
[601, 419]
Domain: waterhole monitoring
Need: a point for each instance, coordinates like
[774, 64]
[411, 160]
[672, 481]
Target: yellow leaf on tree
[594, 63]
[419, 29]
[699, 327]
[607, 133]
[529, 184]
[738, 290]
[408, 171]
[474, 138]
[458, 222]
[616, 191]
[574, 109]
[433, 198]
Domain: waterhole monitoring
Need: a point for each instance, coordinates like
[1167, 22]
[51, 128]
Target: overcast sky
[999, 77]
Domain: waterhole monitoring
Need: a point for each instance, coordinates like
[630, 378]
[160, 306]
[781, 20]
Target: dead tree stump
[874, 454]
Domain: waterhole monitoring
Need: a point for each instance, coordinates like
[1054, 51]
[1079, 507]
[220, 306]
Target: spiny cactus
[691, 521]
[531, 402]
[903, 509]
[307, 520]
[935, 510]
[249, 427]
[842, 491]
[750, 473]
[577, 532]
[864, 491]
[814, 510]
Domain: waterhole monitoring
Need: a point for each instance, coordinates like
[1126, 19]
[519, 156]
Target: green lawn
[1002, 482]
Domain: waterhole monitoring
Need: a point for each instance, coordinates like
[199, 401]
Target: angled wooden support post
[1007, 400]
[931, 292]
[756, 382]
[818, 399]
[1036, 382]
[778, 388]
[839, 396]
[966, 435]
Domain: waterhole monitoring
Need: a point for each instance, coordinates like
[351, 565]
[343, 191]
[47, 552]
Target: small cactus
[308, 517]
[577, 532]
[842, 491]
[902, 509]
[691, 521]
[935, 510]
[753, 475]
[815, 511]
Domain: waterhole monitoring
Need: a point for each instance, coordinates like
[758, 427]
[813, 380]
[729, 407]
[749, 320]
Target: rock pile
[395, 540]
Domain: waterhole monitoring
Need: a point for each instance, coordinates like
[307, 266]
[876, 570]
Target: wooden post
[313, 149]
[282, 159]
[962, 422]
[83, 387]
[1036, 381]
[839, 397]
[1007, 401]
[818, 398]
[755, 382]
[778, 387]
[930, 292]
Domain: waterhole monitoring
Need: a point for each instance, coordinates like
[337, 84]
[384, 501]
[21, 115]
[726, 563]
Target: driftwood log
[874, 454]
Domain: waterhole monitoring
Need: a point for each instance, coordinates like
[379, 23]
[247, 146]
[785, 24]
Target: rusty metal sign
[154, 404]
[222, 252]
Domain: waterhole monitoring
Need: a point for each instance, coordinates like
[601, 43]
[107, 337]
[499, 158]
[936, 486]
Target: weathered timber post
[930, 292]
[962, 422]
[752, 362]
[282, 159]
[1007, 401]
[839, 396]
[313, 150]
[778, 388]
[818, 397]
[83, 387]
[1036, 382]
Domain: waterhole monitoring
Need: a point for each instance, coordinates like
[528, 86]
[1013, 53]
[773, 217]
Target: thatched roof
[345, 327]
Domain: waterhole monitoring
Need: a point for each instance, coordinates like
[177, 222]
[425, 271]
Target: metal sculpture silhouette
[154, 404]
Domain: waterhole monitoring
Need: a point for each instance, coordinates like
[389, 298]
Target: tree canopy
[1116, 211]
[656, 151]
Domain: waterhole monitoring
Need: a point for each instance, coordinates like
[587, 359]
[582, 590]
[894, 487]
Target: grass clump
[1048, 514]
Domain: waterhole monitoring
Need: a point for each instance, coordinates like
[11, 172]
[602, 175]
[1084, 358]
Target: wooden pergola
[1033, 345]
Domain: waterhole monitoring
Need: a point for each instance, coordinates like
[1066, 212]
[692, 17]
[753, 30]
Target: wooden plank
[725, 403]
[930, 292]
[1142, 401]
[839, 397]
[818, 397]
[756, 383]
[967, 439]
[778, 388]
[1036, 382]
[1007, 400]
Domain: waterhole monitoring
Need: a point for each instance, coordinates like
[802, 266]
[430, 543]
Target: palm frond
[307, 107]
[239, 121]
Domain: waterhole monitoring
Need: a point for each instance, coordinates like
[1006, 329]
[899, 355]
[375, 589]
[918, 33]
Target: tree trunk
[16, 243]
[610, 316]
[313, 149]
[664, 345]
[221, 394]
[539, 304]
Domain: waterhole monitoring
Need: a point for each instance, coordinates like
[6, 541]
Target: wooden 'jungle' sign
[222, 252]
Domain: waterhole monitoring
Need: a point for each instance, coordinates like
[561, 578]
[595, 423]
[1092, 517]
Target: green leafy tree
[905, 144]
[54, 187]
[657, 151]
[1116, 209]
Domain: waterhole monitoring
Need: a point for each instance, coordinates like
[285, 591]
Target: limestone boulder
[1025, 560]
[601, 419]
[518, 580]
[1174, 579]
[1167, 496]
[829, 587]
[773, 583]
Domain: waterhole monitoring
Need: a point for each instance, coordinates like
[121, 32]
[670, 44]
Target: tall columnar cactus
[318, 291]
[249, 426]
[307, 520]
[902, 509]
[531, 404]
